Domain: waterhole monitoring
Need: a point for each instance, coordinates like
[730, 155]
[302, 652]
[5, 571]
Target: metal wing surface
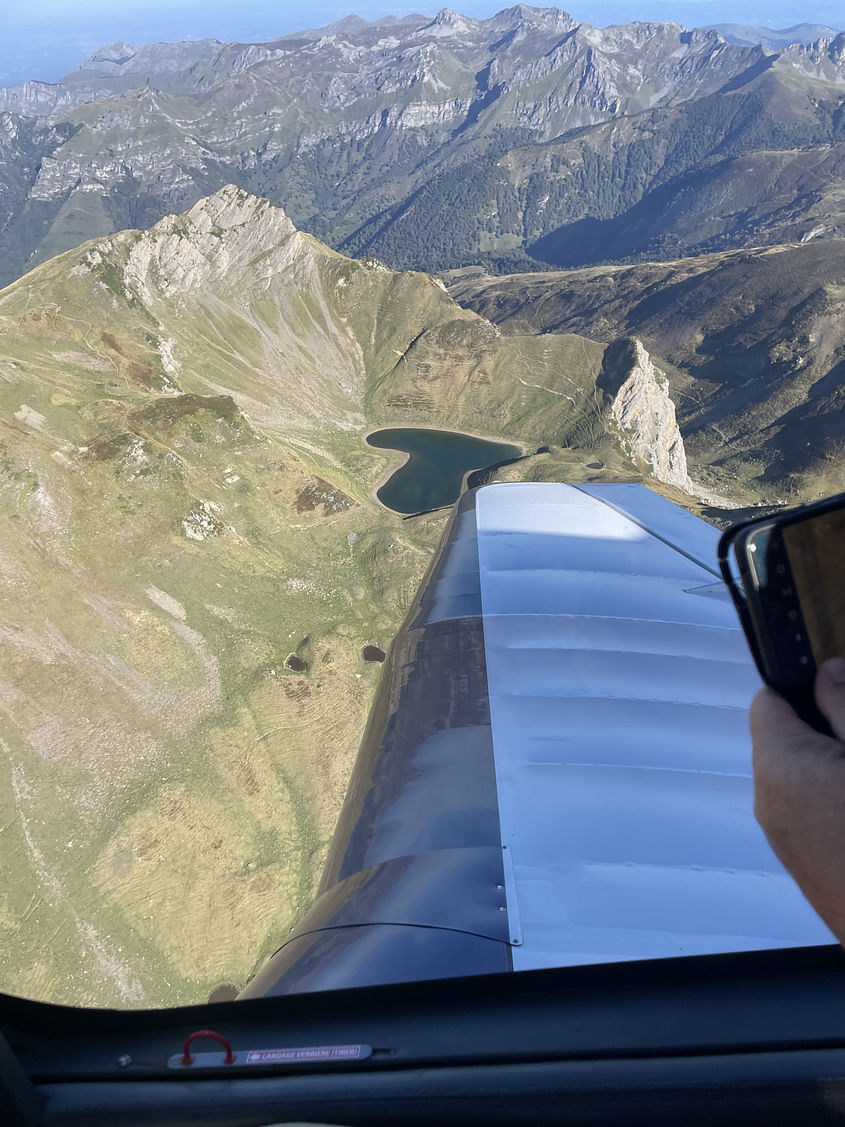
[557, 767]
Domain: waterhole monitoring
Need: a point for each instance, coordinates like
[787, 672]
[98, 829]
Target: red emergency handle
[188, 1059]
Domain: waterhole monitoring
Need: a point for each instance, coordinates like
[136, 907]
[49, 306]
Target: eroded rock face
[643, 412]
[183, 253]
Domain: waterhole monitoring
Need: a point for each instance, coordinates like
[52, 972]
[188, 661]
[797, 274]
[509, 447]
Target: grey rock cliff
[639, 405]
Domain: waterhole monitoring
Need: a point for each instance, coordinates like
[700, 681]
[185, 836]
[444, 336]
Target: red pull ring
[188, 1059]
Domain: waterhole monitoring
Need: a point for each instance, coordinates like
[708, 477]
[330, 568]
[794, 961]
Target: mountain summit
[519, 138]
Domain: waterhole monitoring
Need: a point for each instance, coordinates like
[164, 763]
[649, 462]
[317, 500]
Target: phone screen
[815, 549]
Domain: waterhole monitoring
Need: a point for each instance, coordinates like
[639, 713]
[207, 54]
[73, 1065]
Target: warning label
[318, 1052]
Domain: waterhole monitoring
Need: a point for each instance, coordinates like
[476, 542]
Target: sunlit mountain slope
[755, 342]
[444, 142]
[186, 500]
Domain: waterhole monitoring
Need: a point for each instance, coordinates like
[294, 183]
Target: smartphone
[786, 573]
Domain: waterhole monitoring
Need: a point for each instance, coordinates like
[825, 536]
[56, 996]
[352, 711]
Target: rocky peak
[119, 52]
[524, 16]
[232, 207]
[219, 236]
[448, 22]
[638, 402]
[825, 58]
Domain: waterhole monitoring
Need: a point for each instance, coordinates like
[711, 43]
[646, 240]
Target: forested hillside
[526, 137]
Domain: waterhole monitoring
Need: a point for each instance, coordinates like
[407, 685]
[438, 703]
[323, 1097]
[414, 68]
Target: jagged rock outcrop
[639, 404]
[824, 59]
[217, 236]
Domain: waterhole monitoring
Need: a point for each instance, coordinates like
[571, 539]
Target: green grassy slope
[186, 499]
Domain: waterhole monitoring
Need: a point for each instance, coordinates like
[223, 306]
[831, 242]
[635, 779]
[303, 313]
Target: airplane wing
[556, 770]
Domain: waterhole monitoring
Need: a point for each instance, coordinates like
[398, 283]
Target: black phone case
[799, 694]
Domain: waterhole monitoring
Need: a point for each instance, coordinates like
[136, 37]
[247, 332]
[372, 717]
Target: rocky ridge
[371, 133]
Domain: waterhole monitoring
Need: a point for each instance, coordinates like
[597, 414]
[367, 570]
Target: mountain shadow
[643, 230]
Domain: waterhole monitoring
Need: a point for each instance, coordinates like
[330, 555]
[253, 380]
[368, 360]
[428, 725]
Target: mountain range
[526, 137]
[748, 35]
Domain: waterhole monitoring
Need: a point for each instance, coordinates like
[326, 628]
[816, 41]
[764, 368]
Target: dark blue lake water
[439, 459]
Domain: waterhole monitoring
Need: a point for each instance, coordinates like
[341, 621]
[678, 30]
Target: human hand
[799, 791]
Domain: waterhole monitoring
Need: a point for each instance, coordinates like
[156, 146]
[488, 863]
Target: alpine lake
[438, 459]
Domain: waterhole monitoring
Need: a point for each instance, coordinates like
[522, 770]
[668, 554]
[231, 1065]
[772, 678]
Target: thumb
[775, 724]
[830, 694]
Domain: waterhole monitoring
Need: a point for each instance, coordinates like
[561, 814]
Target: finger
[830, 694]
[775, 723]
[788, 752]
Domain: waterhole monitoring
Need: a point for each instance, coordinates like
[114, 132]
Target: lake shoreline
[403, 457]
